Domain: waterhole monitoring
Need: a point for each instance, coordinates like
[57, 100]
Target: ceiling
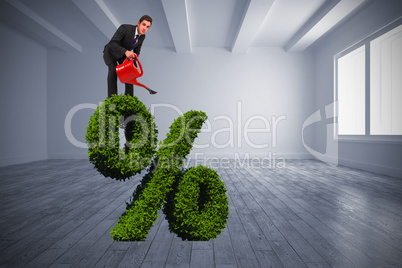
[180, 25]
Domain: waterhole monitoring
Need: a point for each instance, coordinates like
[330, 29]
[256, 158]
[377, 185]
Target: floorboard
[58, 213]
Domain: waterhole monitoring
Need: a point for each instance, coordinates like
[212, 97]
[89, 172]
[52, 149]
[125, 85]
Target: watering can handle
[139, 63]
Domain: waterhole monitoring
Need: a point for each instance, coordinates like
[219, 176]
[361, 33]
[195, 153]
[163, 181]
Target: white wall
[40, 89]
[23, 106]
[73, 79]
[259, 85]
[379, 157]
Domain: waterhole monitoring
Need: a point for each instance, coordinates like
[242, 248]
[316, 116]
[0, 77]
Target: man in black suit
[126, 42]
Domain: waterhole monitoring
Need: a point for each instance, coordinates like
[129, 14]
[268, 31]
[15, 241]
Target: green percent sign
[194, 200]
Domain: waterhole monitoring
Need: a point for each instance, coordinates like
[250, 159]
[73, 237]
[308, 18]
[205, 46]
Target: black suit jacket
[122, 41]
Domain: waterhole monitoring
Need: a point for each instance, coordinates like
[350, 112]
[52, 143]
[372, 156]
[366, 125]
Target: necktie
[135, 40]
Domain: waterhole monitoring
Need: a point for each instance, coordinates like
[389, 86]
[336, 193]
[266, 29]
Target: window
[351, 93]
[386, 83]
[368, 83]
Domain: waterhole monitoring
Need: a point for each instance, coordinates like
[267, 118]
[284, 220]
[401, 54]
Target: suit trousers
[112, 82]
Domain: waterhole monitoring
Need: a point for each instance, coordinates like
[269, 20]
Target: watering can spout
[135, 82]
[128, 73]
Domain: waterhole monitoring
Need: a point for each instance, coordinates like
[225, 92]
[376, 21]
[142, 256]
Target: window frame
[367, 137]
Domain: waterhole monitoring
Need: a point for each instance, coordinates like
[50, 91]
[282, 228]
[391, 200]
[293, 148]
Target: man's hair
[147, 18]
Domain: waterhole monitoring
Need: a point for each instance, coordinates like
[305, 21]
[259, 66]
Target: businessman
[125, 43]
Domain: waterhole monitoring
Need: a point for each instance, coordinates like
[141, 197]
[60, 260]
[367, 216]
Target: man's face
[143, 26]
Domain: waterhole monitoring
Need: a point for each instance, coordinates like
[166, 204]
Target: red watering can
[128, 73]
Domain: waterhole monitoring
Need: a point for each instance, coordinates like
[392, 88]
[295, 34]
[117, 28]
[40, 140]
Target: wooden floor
[58, 213]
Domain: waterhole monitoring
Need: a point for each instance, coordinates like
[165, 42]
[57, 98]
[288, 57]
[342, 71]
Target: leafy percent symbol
[194, 200]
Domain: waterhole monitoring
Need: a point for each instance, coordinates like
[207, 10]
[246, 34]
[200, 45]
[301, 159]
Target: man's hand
[130, 54]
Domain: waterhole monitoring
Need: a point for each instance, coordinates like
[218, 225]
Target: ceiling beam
[100, 15]
[177, 18]
[59, 39]
[253, 17]
[324, 20]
